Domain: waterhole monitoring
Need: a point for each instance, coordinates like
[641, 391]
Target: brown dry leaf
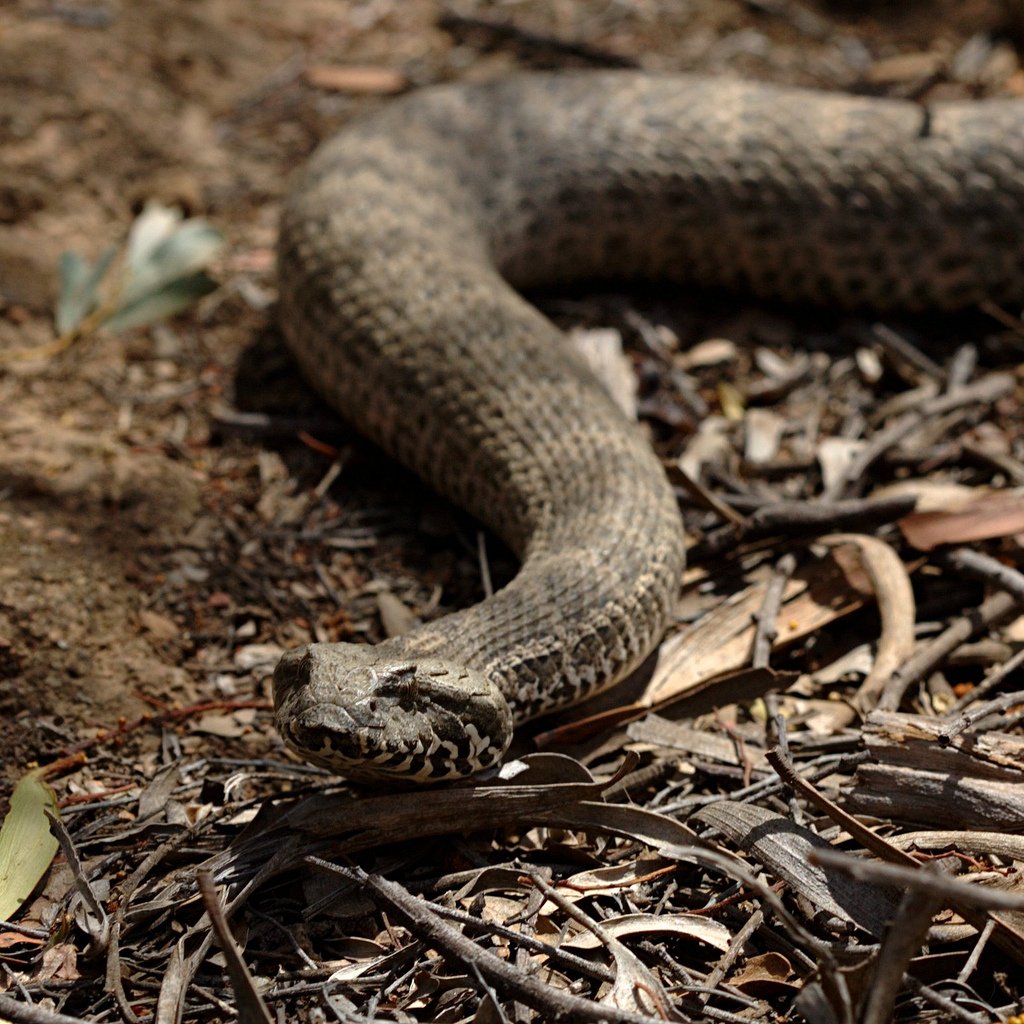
[375, 965]
[818, 593]
[897, 609]
[636, 987]
[764, 975]
[60, 962]
[835, 456]
[987, 515]
[763, 431]
[710, 445]
[10, 941]
[362, 80]
[668, 736]
[710, 352]
[608, 881]
[500, 908]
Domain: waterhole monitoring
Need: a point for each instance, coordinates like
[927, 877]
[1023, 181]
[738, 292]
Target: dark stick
[992, 611]
[805, 519]
[551, 1003]
[982, 392]
[507, 32]
[986, 568]
[29, 1013]
[902, 941]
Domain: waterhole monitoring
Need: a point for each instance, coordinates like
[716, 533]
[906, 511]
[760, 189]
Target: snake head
[371, 715]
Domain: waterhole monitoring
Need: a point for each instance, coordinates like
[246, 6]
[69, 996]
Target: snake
[406, 243]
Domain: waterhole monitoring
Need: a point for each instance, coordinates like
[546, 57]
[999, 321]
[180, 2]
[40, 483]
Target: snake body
[403, 243]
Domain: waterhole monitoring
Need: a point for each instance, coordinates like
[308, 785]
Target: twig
[485, 565]
[554, 953]
[552, 1003]
[876, 844]
[986, 568]
[1008, 320]
[805, 519]
[729, 957]
[982, 392]
[992, 611]
[975, 715]
[979, 947]
[251, 1008]
[898, 346]
[767, 616]
[23, 929]
[67, 846]
[28, 1013]
[228, 422]
[947, 890]
[948, 1006]
[705, 496]
[990, 682]
[962, 367]
[505, 31]
[903, 939]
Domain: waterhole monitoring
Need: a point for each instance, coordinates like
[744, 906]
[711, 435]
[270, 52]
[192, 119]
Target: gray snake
[402, 244]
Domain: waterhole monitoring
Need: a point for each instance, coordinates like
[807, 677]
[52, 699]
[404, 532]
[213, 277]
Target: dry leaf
[992, 514]
[765, 975]
[687, 926]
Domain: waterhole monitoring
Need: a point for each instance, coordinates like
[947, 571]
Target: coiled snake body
[402, 242]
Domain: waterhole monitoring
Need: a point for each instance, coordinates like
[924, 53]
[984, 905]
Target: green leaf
[79, 287]
[26, 844]
[165, 301]
[162, 249]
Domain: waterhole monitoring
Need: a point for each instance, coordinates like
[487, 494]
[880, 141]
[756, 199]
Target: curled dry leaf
[685, 926]
[897, 609]
[765, 975]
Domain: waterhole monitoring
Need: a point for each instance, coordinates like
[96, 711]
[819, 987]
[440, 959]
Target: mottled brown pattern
[401, 245]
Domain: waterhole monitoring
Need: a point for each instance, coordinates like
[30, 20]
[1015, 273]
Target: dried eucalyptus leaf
[79, 287]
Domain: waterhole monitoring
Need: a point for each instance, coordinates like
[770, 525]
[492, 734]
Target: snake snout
[363, 713]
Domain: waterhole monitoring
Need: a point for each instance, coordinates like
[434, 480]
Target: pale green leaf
[26, 845]
[148, 230]
[165, 301]
[79, 287]
[162, 249]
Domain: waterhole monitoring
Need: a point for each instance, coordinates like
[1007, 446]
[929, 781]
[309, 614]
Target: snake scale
[403, 245]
